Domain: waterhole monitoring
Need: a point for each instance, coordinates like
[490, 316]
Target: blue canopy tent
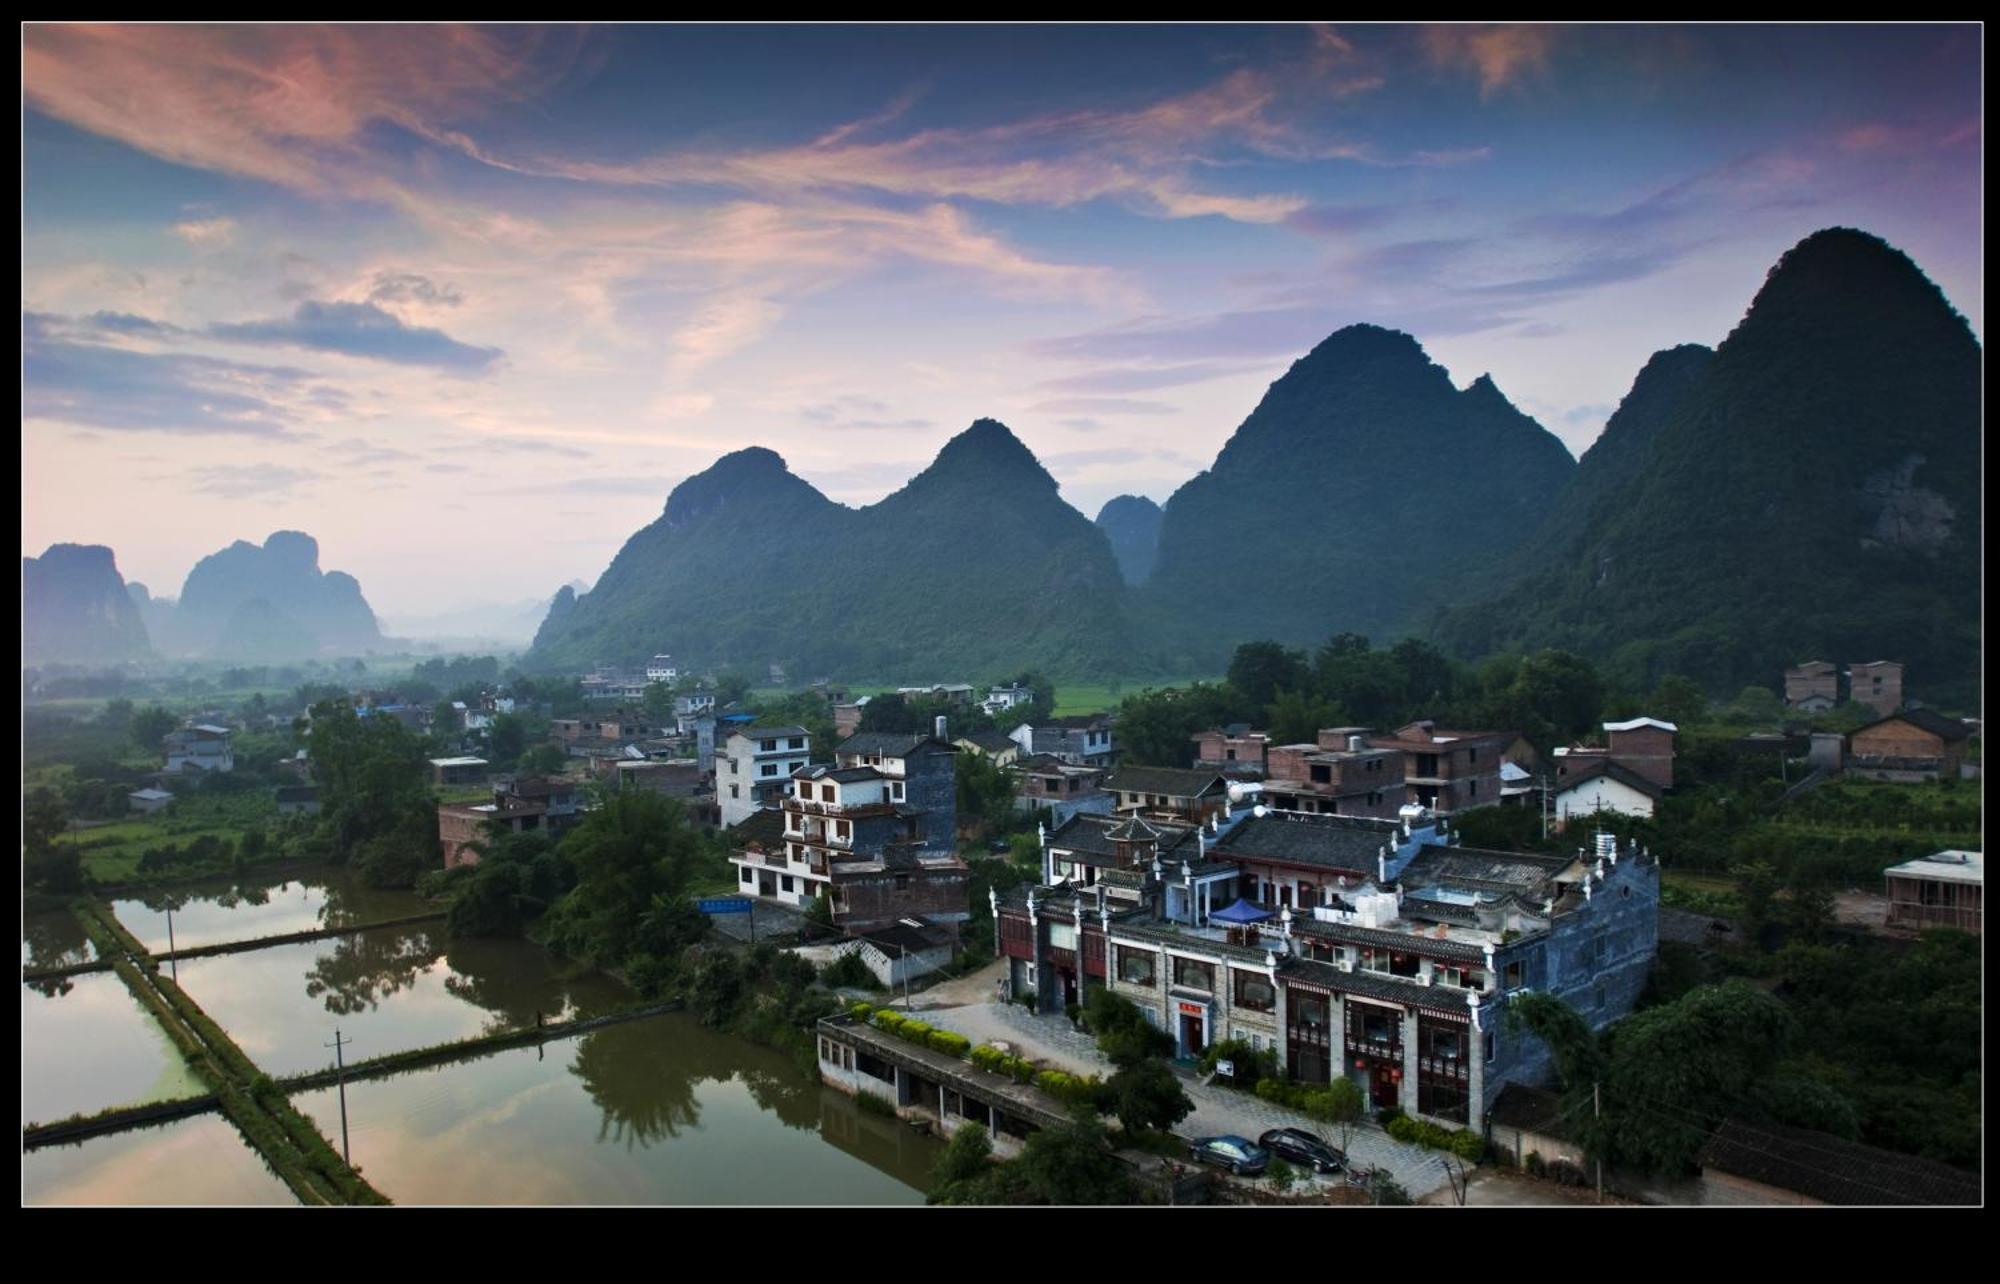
[1242, 912]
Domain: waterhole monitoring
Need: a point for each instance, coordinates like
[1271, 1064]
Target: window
[827, 793]
[733, 791]
[767, 746]
[1489, 1047]
[797, 742]
[902, 881]
[785, 882]
[896, 791]
[1475, 788]
[1322, 774]
[1192, 975]
[732, 766]
[1135, 967]
[1254, 991]
[747, 877]
[1231, 755]
[1517, 974]
[769, 769]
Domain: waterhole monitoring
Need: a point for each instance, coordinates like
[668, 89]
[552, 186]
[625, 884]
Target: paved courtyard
[1216, 1109]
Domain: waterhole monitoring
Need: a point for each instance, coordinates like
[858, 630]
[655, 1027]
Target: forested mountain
[1812, 490]
[975, 566]
[75, 608]
[1361, 487]
[1132, 524]
[251, 602]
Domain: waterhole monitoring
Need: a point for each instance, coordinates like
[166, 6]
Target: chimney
[940, 729]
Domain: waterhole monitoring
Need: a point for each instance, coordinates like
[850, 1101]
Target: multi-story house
[1877, 684]
[948, 692]
[1399, 979]
[1338, 774]
[661, 669]
[528, 804]
[1234, 750]
[1059, 789]
[1169, 792]
[1084, 740]
[202, 747]
[876, 832]
[754, 767]
[1813, 687]
[1449, 771]
[1643, 747]
[1000, 699]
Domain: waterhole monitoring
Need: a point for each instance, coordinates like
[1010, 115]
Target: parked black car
[1295, 1145]
[1231, 1152]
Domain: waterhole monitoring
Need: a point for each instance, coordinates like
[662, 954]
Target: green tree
[1261, 669]
[1145, 1095]
[965, 1157]
[1343, 1105]
[985, 793]
[659, 702]
[150, 726]
[543, 760]
[1295, 717]
[1072, 1164]
[1680, 701]
[507, 737]
[47, 863]
[635, 848]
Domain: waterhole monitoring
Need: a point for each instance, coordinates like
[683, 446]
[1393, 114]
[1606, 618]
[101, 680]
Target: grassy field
[111, 852]
[1072, 700]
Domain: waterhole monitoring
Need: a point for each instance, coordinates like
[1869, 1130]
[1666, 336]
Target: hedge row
[1463, 1142]
[994, 1061]
[911, 1030]
[1312, 1100]
[1070, 1089]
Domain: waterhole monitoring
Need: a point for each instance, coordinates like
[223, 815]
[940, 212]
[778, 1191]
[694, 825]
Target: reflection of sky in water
[509, 1129]
[210, 918]
[91, 1048]
[190, 1161]
[395, 989]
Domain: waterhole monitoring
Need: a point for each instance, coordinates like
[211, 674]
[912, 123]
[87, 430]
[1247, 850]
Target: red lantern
[1359, 1064]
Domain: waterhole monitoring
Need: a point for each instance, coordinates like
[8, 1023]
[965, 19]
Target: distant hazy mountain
[75, 608]
[1810, 490]
[157, 613]
[1132, 524]
[975, 568]
[270, 602]
[497, 621]
[1361, 487]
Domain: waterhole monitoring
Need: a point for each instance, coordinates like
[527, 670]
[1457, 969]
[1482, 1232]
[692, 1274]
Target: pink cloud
[1499, 55]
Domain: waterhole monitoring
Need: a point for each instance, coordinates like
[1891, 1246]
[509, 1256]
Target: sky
[465, 303]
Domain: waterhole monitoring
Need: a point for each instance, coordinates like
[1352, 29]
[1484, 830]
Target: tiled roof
[1523, 873]
[1174, 782]
[1833, 1170]
[763, 828]
[891, 744]
[1088, 834]
[1134, 830]
[1595, 767]
[1946, 729]
[1410, 942]
[757, 731]
[1349, 843]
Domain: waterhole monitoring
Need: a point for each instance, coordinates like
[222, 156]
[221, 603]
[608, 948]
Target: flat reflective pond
[223, 910]
[52, 939]
[86, 1044]
[199, 1160]
[388, 990]
[654, 1111]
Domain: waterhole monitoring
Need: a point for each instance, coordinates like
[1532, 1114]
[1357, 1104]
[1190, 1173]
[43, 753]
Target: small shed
[458, 771]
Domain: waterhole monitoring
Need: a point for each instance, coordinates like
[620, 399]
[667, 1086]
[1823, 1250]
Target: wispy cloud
[207, 232]
[1499, 55]
[1141, 380]
[249, 481]
[361, 330]
[67, 376]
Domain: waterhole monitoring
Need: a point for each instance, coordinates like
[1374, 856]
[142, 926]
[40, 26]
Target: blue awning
[1241, 912]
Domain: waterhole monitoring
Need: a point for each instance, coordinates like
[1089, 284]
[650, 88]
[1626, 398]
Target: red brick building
[1339, 774]
[1449, 771]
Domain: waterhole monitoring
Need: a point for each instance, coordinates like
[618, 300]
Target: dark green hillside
[976, 566]
[1813, 491]
[1357, 491]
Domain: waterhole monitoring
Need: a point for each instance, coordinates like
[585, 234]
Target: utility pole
[1597, 1110]
[340, 1077]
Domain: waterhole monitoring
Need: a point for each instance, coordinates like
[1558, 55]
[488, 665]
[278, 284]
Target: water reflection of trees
[509, 979]
[643, 1075]
[363, 969]
[53, 940]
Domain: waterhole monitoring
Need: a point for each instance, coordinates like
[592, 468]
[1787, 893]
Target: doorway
[1383, 1091]
[1068, 988]
[1192, 1044]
